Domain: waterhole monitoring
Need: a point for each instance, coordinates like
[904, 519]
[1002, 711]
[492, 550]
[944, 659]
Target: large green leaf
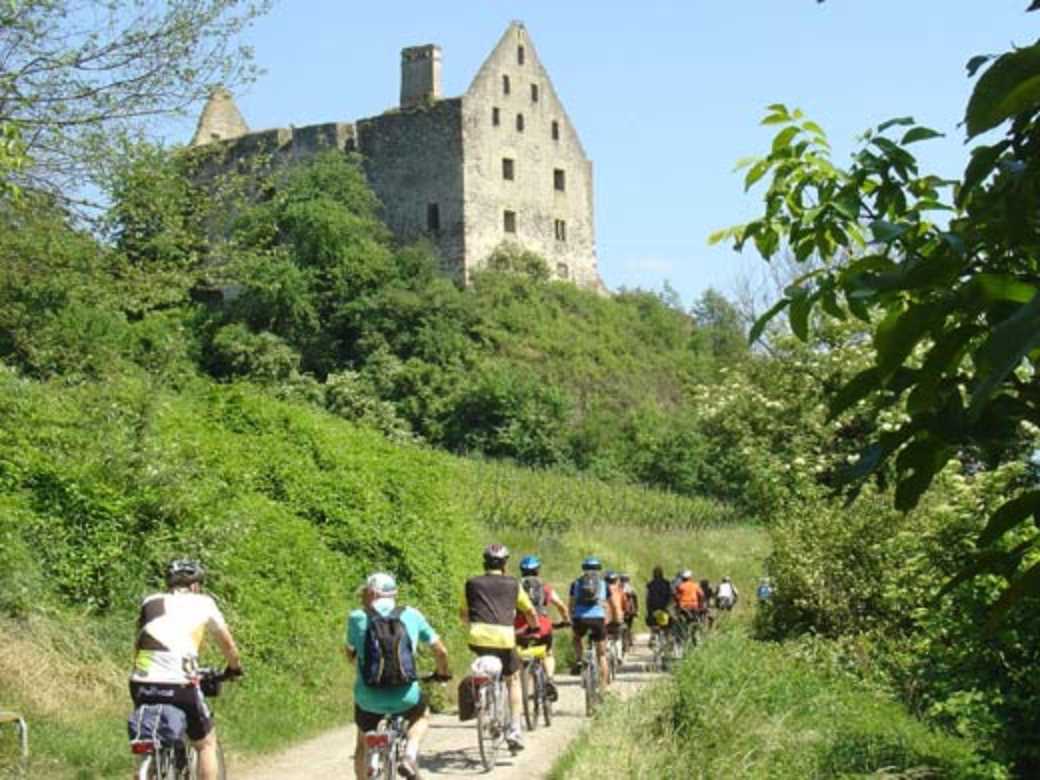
[1003, 351]
[982, 163]
[1003, 287]
[854, 391]
[918, 463]
[801, 308]
[1010, 514]
[1010, 86]
[898, 334]
[1028, 583]
[761, 322]
[920, 134]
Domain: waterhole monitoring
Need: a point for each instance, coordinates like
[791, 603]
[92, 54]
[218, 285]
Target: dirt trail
[450, 747]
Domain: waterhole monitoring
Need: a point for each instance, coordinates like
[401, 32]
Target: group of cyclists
[501, 612]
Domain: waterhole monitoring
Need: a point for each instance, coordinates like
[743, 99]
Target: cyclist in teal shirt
[370, 704]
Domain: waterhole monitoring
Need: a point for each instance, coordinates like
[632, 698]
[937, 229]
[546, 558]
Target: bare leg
[360, 756]
[578, 654]
[516, 699]
[415, 737]
[207, 750]
[550, 664]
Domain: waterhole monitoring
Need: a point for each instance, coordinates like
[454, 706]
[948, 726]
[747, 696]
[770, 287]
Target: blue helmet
[592, 562]
[530, 564]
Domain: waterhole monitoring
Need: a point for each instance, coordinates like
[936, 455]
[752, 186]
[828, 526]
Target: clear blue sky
[666, 95]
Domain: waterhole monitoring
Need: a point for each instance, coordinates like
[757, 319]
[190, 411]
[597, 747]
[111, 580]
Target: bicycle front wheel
[487, 725]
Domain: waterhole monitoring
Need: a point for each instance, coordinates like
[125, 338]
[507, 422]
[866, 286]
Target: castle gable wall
[550, 192]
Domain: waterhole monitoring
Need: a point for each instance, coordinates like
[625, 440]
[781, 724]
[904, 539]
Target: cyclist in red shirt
[542, 595]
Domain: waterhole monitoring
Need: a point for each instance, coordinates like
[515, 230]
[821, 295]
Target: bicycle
[173, 757]
[590, 678]
[385, 746]
[534, 681]
[492, 708]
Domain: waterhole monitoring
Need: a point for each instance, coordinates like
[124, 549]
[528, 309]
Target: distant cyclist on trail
[689, 597]
[615, 605]
[588, 605]
[382, 638]
[170, 629]
[658, 596]
[491, 602]
[631, 603]
[542, 596]
[726, 596]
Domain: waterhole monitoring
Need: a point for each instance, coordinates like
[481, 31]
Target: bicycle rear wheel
[527, 688]
[590, 682]
[487, 728]
[542, 696]
[147, 770]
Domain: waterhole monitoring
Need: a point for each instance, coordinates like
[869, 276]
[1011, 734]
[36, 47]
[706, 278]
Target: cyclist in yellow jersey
[170, 629]
[490, 603]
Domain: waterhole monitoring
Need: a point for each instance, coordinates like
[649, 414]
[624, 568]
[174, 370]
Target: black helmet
[495, 556]
[611, 576]
[184, 571]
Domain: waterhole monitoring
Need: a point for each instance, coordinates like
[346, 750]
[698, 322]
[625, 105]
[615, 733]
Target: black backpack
[536, 592]
[389, 660]
[588, 589]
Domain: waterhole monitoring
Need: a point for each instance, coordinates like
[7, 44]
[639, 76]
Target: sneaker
[550, 691]
[515, 739]
[408, 768]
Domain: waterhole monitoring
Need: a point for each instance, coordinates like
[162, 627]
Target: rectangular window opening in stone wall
[562, 270]
[519, 55]
[560, 229]
[433, 217]
[555, 130]
[534, 93]
[505, 85]
[509, 221]
[496, 118]
[559, 179]
[507, 168]
[519, 123]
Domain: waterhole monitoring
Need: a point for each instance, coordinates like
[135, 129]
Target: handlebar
[210, 679]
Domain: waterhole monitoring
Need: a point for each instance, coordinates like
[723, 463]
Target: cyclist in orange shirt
[689, 598]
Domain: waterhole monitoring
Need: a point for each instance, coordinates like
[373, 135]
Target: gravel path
[450, 747]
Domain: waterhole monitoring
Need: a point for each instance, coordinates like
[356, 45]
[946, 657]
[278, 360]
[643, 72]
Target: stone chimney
[220, 119]
[420, 75]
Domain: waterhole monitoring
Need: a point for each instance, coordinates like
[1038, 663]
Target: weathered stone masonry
[501, 163]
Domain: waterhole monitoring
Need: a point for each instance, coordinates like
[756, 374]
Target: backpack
[588, 589]
[536, 592]
[389, 660]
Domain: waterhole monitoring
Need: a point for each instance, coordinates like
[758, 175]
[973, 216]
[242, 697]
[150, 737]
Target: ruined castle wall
[413, 161]
[550, 192]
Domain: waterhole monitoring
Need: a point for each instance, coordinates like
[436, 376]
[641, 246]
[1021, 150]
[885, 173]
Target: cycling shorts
[369, 721]
[187, 698]
[510, 660]
[614, 629]
[534, 641]
[594, 627]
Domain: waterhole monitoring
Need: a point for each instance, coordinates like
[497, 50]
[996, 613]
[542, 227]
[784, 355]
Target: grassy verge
[288, 507]
[741, 708]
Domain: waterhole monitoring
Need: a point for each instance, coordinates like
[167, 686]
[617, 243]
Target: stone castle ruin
[500, 164]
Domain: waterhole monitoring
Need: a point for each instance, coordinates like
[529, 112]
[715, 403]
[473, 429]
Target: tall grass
[545, 502]
[740, 708]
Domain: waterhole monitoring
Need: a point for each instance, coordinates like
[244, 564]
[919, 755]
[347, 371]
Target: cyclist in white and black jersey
[170, 629]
